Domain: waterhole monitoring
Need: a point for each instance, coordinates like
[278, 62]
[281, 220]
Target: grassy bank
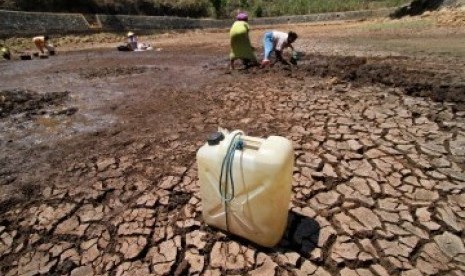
[198, 8]
[298, 7]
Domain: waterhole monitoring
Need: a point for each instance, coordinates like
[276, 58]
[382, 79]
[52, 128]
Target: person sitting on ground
[241, 48]
[132, 41]
[276, 41]
[42, 42]
[134, 45]
[5, 52]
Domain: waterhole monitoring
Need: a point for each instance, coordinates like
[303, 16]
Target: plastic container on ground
[262, 174]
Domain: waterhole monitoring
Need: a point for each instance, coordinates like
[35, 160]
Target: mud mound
[111, 71]
[418, 7]
[31, 102]
[439, 86]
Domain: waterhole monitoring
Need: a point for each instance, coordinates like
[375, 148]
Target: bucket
[245, 185]
[25, 57]
[296, 56]
[123, 48]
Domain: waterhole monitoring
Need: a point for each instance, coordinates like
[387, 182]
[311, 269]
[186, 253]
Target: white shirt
[280, 40]
[132, 39]
[133, 42]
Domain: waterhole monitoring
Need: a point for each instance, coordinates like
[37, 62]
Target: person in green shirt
[241, 48]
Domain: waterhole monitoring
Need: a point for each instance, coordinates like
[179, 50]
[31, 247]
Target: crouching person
[276, 42]
[5, 52]
[42, 43]
[132, 41]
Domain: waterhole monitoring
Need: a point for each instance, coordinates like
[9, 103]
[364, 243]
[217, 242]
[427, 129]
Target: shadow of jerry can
[245, 185]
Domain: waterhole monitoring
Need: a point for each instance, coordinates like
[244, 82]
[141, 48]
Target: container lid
[215, 138]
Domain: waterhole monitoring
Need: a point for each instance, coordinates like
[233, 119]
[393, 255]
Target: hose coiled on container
[227, 171]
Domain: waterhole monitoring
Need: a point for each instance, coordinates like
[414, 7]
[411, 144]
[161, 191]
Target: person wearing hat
[132, 41]
[241, 48]
[276, 41]
[42, 42]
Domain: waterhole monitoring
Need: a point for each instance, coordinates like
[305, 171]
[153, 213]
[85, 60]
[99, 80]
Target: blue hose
[227, 168]
[227, 171]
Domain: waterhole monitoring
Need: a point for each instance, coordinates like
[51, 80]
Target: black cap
[215, 138]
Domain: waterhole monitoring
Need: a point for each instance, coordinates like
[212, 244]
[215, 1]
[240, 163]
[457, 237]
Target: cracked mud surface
[379, 181]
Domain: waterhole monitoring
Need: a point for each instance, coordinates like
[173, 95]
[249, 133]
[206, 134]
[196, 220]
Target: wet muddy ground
[98, 174]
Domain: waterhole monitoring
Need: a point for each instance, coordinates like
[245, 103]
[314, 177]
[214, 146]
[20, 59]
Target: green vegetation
[261, 8]
[198, 8]
[303, 7]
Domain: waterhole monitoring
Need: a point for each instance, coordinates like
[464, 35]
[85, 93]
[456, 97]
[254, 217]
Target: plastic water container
[253, 202]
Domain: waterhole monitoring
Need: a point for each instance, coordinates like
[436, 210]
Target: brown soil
[131, 123]
[393, 72]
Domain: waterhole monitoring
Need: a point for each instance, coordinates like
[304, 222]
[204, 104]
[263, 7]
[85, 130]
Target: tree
[259, 11]
[218, 7]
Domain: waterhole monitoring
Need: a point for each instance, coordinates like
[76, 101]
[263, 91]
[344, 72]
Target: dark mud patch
[113, 71]
[178, 200]
[29, 191]
[418, 7]
[6, 176]
[413, 79]
[32, 103]
[9, 203]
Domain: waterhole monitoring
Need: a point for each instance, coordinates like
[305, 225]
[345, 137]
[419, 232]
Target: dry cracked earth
[379, 180]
